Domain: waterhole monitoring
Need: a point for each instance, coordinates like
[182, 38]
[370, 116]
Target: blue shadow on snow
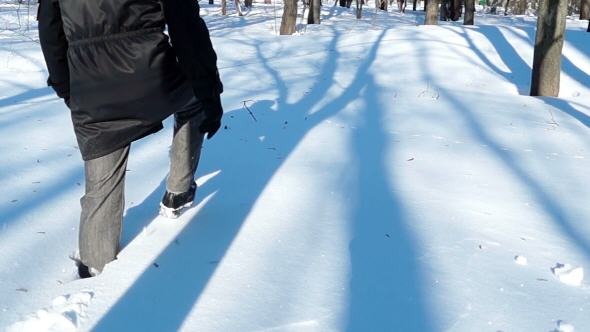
[163, 296]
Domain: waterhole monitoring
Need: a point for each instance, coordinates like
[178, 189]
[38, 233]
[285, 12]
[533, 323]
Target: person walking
[121, 76]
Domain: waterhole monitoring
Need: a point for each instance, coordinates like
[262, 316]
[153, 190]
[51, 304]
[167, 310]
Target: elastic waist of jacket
[114, 36]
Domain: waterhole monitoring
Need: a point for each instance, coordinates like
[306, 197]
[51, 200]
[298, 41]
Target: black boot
[173, 203]
[83, 270]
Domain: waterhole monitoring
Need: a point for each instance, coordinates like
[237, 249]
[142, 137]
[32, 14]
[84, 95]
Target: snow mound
[568, 274]
[63, 316]
[564, 327]
[520, 260]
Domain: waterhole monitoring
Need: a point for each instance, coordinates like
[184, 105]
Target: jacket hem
[123, 144]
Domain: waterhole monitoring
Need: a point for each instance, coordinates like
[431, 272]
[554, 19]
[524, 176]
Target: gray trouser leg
[102, 208]
[186, 147]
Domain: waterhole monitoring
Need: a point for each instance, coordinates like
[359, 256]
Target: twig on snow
[245, 102]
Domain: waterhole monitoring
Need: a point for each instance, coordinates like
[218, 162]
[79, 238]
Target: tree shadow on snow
[567, 66]
[546, 200]
[138, 217]
[519, 70]
[25, 96]
[567, 108]
[219, 25]
[518, 65]
[384, 285]
[385, 290]
[53, 185]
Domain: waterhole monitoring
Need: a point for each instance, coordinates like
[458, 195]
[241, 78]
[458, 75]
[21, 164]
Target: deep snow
[391, 177]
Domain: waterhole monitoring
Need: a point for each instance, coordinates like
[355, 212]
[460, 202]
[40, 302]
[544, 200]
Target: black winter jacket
[115, 68]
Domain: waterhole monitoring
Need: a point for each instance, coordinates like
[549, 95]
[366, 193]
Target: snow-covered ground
[390, 177]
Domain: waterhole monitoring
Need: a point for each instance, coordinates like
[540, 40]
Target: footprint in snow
[568, 274]
[520, 260]
[64, 315]
[563, 326]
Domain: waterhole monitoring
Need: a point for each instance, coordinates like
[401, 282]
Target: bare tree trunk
[414, 5]
[381, 4]
[506, 7]
[431, 13]
[248, 3]
[456, 9]
[210, 2]
[521, 7]
[444, 10]
[495, 4]
[401, 5]
[289, 18]
[588, 30]
[223, 7]
[469, 12]
[342, 3]
[425, 5]
[548, 47]
[571, 7]
[359, 9]
[585, 10]
[238, 7]
[315, 7]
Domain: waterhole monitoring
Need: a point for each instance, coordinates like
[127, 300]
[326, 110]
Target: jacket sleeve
[191, 43]
[54, 46]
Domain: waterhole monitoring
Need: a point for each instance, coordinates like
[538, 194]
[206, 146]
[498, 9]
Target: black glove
[62, 89]
[213, 113]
